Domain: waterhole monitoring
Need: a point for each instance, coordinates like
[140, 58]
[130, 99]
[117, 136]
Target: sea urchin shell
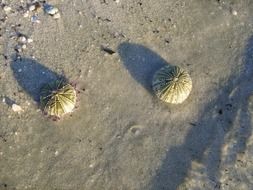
[58, 98]
[172, 84]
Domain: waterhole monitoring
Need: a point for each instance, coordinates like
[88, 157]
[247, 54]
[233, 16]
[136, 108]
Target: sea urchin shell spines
[172, 84]
[58, 98]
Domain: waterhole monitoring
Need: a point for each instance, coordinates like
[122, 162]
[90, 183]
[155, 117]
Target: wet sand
[121, 136]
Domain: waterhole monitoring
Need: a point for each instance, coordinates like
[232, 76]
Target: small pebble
[57, 16]
[234, 12]
[29, 40]
[118, 136]
[20, 70]
[136, 129]
[91, 165]
[16, 108]
[18, 48]
[23, 46]
[7, 9]
[56, 153]
[51, 10]
[26, 14]
[32, 8]
[22, 39]
[35, 19]
[3, 100]
[35, 7]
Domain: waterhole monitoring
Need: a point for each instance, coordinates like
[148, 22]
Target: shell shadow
[31, 76]
[141, 62]
[217, 119]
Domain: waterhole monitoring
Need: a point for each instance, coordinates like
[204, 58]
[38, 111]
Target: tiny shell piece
[57, 15]
[16, 108]
[32, 7]
[35, 6]
[172, 84]
[26, 14]
[57, 98]
[29, 40]
[22, 39]
[51, 10]
[7, 9]
[35, 19]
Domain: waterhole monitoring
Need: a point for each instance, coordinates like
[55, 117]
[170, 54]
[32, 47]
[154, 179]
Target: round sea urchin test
[58, 98]
[172, 84]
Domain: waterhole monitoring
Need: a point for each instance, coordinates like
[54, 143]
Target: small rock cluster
[35, 7]
[17, 40]
[22, 41]
[28, 10]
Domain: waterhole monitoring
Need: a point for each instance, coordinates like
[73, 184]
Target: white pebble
[26, 14]
[49, 9]
[22, 39]
[29, 40]
[117, 1]
[136, 129]
[7, 9]
[16, 108]
[3, 100]
[234, 12]
[91, 165]
[57, 16]
[56, 153]
[20, 70]
[24, 46]
[32, 8]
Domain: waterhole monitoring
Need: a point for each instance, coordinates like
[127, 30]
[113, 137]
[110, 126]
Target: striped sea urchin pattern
[172, 84]
[58, 98]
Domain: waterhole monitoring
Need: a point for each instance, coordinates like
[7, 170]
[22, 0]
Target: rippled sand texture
[121, 136]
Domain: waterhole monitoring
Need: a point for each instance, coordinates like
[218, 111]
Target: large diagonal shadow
[141, 62]
[31, 76]
[206, 138]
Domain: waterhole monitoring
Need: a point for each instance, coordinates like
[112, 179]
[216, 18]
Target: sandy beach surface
[121, 136]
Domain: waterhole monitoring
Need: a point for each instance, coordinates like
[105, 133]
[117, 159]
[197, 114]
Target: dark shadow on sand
[205, 139]
[31, 76]
[141, 62]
